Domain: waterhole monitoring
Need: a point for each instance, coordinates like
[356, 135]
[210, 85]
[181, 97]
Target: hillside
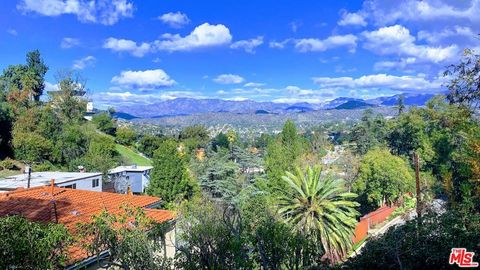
[132, 157]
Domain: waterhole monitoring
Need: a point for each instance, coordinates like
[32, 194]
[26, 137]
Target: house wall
[84, 184]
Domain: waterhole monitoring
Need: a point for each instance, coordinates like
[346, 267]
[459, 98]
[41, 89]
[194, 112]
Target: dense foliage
[31, 245]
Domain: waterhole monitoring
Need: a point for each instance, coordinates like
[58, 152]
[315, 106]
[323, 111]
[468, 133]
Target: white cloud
[68, 42]
[248, 45]
[229, 79]
[253, 84]
[129, 98]
[352, 19]
[401, 64]
[318, 45]
[279, 44]
[174, 19]
[381, 82]
[456, 31]
[129, 46]
[205, 35]
[84, 62]
[51, 87]
[12, 32]
[388, 12]
[106, 12]
[143, 79]
[397, 40]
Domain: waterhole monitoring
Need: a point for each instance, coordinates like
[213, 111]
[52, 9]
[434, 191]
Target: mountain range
[189, 106]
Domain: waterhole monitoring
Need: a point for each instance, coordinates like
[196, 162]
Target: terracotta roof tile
[73, 206]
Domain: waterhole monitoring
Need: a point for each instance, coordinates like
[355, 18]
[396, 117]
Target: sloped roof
[73, 206]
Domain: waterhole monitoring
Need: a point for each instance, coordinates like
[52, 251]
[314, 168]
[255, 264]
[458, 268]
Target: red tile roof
[73, 206]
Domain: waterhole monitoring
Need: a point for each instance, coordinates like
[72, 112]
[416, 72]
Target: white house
[75, 180]
[133, 176]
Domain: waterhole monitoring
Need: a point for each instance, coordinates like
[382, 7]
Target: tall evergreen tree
[170, 179]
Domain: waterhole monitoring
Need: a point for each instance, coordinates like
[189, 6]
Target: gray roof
[131, 168]
[42, 179]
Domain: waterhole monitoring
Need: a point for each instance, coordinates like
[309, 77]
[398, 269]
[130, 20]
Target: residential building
[76, 180]
[72, 206]
[133, 176]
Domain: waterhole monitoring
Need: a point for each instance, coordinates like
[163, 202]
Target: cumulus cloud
[69, 42]
[107, 12]
[229, 79]
[84, 62]
[397, 40]
[352, 19]
[382, 81]
[128, 46]
[174, 19]
[143, 79]
[248, 45]
[320, 45]
[205, 35]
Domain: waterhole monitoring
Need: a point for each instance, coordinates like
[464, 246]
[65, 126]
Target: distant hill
[191, 106]
[354, 104]
[261, 112]
[123, 115]
[298, 108]
[409, 100]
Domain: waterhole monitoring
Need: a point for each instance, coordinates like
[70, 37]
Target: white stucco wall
[84, 184]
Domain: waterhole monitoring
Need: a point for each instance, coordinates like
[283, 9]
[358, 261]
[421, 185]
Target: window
[95, 182]
[72, 186]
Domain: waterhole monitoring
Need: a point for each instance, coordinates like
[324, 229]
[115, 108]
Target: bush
[8, 164]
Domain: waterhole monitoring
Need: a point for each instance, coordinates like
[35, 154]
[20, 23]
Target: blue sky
[141, 52]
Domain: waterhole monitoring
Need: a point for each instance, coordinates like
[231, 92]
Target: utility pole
[29, 168]
[417, 182]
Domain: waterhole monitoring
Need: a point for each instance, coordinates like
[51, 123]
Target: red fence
[371, 219]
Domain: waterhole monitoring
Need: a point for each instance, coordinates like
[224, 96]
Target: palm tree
[319, 206]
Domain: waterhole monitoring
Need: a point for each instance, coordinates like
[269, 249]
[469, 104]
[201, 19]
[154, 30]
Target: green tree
[148, 144]
[170, 179]
[383, 177]
[282, 155]
[31, 147]
[125, 135]
[6, 124]
[69, 107]
[221, 140]
[408, 134]
[369, 133]
[126, 236]
[320, 207]
[32, 245]
[401, 104]
[212, 237]
[464, 87]
[104, 123]
[37, 68]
